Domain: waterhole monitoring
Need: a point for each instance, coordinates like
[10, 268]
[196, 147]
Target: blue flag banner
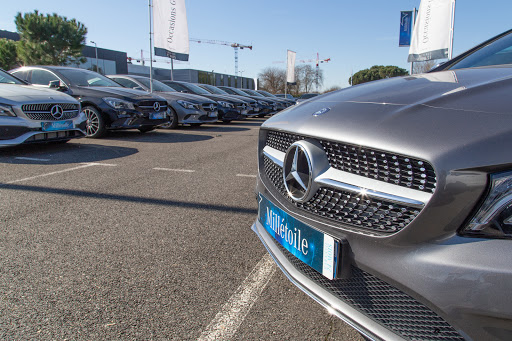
[405, 28]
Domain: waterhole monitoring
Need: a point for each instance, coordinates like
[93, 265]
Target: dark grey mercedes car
[390, 203]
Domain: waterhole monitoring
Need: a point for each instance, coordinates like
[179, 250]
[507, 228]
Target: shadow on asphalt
[129, 198]
[55, 154]
[156, 136]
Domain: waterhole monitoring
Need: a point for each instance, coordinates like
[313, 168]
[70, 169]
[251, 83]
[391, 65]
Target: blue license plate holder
[57, 125]
[316, 249]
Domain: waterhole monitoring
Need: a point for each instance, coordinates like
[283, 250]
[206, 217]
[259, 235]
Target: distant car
[229, 108]
[305, 97]
[252, 110]
[390, 202]
[30, 115]
[287, 101]
[278, 103]
[107, 105]
[184, 108]
[287, 96]
[265, 106]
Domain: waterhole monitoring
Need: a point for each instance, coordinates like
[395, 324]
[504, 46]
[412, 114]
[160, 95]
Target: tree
[306, 78]
[49, 39]
[8, 56]
[376, 72]
[273, 79]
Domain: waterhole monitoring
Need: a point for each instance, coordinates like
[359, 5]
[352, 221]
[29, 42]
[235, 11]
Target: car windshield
[214, 90]
[234, 91]
[157, 85]
[197, 89]
[87, 78]
[252, 93]
[266, 94]
[6, 78]
[499, 52]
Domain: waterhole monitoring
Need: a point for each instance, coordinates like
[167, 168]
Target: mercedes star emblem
[57, 111]
[156, 106]
[297, 172]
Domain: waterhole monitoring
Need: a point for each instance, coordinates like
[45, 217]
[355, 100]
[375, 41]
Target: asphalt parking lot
[144, 236]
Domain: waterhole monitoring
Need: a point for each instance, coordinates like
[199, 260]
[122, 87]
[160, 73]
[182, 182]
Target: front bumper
[448, 290]
[17, 130]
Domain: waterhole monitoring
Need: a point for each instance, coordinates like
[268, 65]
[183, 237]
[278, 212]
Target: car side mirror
[57, 85]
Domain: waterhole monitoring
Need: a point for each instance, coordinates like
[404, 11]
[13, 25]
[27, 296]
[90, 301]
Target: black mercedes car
[266, 106]
[106, 104]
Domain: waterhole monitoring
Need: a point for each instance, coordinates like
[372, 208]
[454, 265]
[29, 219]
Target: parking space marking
[246, 175]
[175, 170]
[85, 165]
[233, 312]
[31, 159]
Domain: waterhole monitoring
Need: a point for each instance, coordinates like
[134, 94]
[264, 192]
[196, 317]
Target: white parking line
[232, 314]
[31, 159]
[175, 170]
[85, 165]
[246, 175]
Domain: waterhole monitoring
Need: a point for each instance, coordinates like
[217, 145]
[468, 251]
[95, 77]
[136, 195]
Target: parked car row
[58, 103]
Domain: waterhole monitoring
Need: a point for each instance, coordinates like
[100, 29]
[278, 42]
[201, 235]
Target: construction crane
[235, 46]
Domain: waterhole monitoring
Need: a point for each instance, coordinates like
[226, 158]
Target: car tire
[261, 115]
[195, 124]
[146, 129]
[226, 121]
[173, 121]
[95, 125]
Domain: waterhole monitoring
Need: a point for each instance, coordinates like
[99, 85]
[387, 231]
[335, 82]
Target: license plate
[57, 126]
[316, 249]
[212, 114]
[157, 116]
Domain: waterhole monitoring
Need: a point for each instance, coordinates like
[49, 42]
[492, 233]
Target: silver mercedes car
[390, 203]
[31, 115]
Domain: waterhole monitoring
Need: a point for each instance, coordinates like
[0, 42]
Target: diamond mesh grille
[47, 107]
[371, 163]
[382, 302]
[347, 208]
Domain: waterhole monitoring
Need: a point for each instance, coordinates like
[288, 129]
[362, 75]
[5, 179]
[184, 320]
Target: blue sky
[354, 34]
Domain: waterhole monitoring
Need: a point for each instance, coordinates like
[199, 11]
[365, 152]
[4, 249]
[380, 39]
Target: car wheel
[146, 129]
[95, 125]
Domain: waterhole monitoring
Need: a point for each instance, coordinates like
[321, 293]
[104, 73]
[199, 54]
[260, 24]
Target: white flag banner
[170, 29]
[290, 70]
[431, 36]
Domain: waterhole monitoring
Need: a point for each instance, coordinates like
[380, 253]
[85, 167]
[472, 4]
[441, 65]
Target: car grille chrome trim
[42, 111]
[367, 214]
[374, 164]
[382, 302]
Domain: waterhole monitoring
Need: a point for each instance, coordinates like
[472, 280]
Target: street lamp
[96, 49]
[241, 79]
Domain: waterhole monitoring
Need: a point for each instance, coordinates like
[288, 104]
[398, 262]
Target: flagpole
[413, 23]
[150, 50]
[450, 52]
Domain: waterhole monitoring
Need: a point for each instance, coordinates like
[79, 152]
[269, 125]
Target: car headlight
[6, 110]
[226, 104]
[494, 218]
[117, 103]
[262, 102]
[187, 105]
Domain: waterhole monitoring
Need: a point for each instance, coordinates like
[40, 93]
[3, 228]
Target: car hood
[174, 96]
[105, 91]
[444, 116]
[13, 94]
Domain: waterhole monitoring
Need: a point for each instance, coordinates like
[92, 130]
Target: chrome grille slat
[371, 163]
